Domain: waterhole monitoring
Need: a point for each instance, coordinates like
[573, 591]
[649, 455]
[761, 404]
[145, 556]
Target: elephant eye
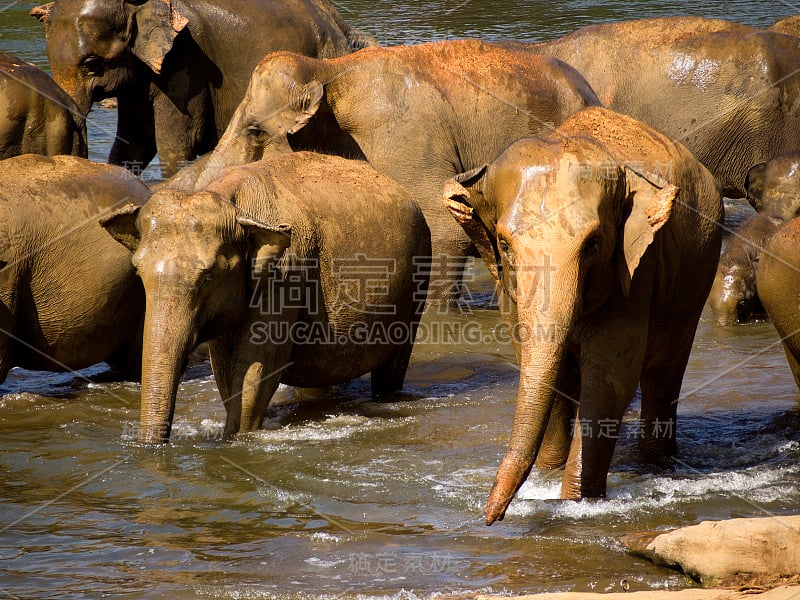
[505, 249]
[254, 132]
[592, 246]
[93, 64]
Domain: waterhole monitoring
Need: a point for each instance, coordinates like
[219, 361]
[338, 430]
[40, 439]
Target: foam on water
[257, 594]
[333, 427]
[642, 496]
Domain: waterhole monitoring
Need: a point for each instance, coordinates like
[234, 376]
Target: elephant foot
[390, 376]
[549, 465]
[657, 452]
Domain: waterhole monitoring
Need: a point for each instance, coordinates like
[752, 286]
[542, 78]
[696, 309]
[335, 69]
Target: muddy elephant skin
[603, 266]
[734, 297]
[727, 91]
[778, 281]
[419, 114]
[773, 189]
[69, 295]
[178, 68]
[37, 116]
[270, 265]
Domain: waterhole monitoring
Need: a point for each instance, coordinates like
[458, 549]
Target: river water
[346, 498]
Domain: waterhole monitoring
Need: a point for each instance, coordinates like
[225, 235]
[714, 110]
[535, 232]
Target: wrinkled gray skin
[774, 190]
[178, 68]
[778, 280]
[69, 294]
[226, 265]
[725, 90]
[419, 114]
[605, 268]
[37, 116]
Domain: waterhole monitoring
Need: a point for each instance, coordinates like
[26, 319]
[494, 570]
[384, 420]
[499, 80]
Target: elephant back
[70, 179]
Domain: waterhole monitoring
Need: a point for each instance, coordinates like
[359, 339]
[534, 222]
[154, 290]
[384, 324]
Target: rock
[780, 593]
[714, 551]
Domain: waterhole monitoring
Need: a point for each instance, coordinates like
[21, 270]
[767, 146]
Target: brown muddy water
[346, 498]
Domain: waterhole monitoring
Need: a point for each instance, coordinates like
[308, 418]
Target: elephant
[789, 26]
[779, 288]
[774, 190]
[603, 238]
[419, 114]
[178, 68]
[729, 92]
[69, 295]
[38, 116]
[302, 269]
[734, 297]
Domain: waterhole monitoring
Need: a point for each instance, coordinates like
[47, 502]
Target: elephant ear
[304, 101]
[268, 243]
[43, 14]
[158, 23]
[651, 201]
[121, 224]
[463, 196]
[754, 185]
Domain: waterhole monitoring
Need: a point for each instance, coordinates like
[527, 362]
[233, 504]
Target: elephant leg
[594, 438]
[389, 376]
[259, 382]
[446, 277]
[557, 440]
[135, 143]
[593, 441]
[608, 379]
[791, 357]
[661, 381]
[182, 135]
[7, 326]
[250, 375]
[127, 363]
[221, 365]
[6, 359]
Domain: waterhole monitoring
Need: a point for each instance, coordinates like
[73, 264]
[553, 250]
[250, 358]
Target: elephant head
[774, 187]
[733, 298]
[97, 47]
[196, 256]
[563, 227]
[281, 98]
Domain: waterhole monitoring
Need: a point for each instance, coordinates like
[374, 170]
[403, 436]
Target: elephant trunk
[168, 340]
[544, 322]
[234, 148]
[537, 388]
[73, 83]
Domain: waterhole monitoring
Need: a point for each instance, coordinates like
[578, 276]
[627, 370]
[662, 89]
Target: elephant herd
[591, 191]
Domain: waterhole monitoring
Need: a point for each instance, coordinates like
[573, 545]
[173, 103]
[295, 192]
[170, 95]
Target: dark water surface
[345, 498]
